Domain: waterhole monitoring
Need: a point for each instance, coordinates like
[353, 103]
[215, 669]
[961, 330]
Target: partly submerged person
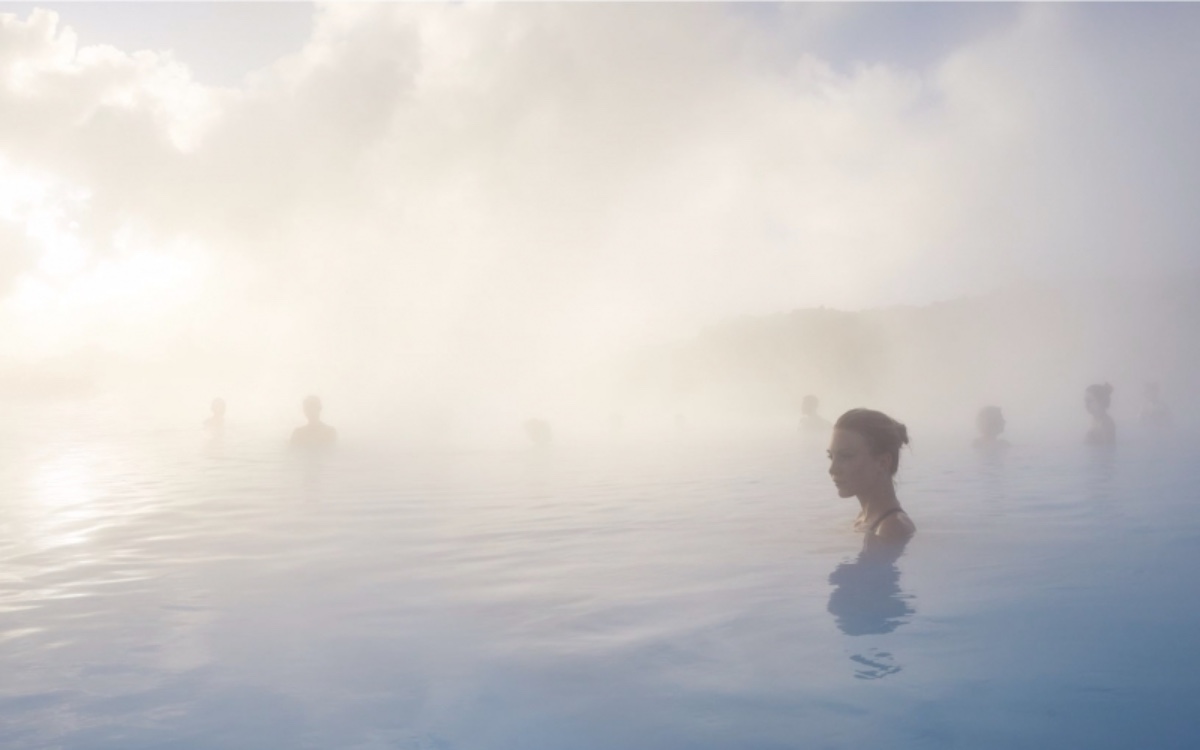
[216, 423]
[864, 455]
[315, 434]
[1097, 398]
[539, 432]
[990, 424]
[1155, 414]
[810, 421]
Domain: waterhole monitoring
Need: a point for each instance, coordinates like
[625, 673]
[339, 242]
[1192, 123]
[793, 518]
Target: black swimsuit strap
[879, 520]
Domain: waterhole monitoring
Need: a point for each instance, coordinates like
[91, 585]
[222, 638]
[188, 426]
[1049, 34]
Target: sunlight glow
[65, 480]
[114, 301]
[62, 491]
[70, 293]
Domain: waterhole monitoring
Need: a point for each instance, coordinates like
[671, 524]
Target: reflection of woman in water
[863, 458]
[866, 598]
[1097, 399]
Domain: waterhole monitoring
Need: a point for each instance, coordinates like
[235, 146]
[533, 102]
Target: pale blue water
[155, 593]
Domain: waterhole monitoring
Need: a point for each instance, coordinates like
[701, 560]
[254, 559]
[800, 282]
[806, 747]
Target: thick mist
[446, 220]
[1029, 349]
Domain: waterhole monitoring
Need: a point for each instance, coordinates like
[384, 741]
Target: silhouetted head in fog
[810, 420]
[217, 420]
[316, 433]
[990, 424]
[864, 456]
[539, 432]
[1155, 413]
[312, 409]
[1096, 399]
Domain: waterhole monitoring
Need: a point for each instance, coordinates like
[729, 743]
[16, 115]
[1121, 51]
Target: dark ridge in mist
[1030, 349]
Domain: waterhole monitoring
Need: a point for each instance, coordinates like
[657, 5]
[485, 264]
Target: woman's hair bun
[883, 434]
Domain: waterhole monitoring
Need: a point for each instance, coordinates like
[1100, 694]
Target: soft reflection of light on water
[61, 492]
[63, 480]
[52, 502]
[67, 478]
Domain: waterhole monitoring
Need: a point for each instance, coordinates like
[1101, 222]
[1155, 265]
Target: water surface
[157, 590]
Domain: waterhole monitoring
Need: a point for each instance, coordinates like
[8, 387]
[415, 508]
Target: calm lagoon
[159, 591]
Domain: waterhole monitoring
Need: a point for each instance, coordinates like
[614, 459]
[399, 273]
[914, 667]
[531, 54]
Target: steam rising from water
[461, 217]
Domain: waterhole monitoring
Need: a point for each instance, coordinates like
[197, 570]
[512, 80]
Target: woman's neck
[879, 499]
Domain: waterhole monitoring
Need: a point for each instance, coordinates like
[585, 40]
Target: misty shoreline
[1030, 349]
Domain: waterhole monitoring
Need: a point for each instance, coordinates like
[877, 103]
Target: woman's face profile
[852, 466]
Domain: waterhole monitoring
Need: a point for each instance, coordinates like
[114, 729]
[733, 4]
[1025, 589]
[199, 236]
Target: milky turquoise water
[157, 592]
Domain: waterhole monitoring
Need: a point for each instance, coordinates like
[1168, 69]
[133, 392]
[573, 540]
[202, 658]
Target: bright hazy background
[445, 217]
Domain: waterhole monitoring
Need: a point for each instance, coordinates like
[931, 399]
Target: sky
[390, 193]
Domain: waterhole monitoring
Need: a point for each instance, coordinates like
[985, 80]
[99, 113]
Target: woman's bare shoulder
[896, 526]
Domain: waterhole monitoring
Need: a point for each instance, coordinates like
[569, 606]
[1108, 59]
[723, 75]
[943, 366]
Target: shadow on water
[867, 600]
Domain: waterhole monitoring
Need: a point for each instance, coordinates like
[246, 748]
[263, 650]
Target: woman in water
[863, 458]
[1097, 399]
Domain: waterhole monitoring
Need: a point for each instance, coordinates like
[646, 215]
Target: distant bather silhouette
[863, 458]
[812, 423]
[315, 434]
[539, 432]
[216, 422]
[990, 424]
[1097, 399]
[1155, 414]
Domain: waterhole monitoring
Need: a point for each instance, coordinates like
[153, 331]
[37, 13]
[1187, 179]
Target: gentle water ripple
[156, 592]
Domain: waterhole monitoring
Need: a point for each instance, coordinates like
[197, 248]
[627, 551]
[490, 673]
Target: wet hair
[1100, 393]
[883, 434]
